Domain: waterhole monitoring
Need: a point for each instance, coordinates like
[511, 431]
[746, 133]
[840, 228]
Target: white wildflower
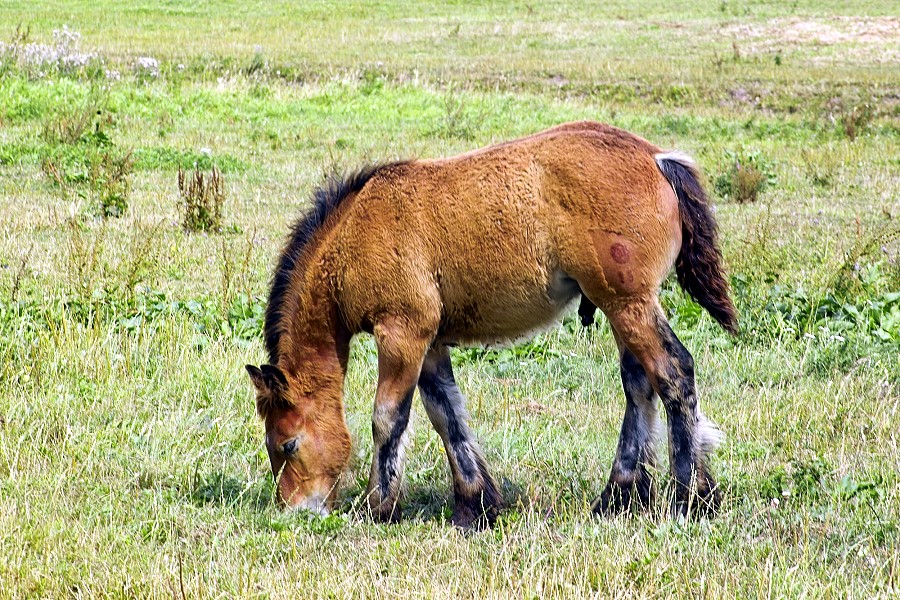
[146, 65]
[75, 60]
[66, 37]
[62, 55]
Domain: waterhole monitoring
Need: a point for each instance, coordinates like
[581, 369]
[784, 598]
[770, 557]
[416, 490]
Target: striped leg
[399, 363]
[691, 435]
[477, 499]
[669, 368]
[631, 482]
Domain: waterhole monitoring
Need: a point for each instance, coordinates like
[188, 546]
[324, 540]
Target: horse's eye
[290, 447]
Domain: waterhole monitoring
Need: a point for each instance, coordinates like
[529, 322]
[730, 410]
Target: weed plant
[202, 199]
[83, 162]
[747, 175]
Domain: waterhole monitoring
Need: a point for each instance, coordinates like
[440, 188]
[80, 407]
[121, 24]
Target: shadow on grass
[435, 503]
[423, 503]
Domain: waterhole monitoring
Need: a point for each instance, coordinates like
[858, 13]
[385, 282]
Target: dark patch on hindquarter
[387, 456]
[619, 253]
[626, 278]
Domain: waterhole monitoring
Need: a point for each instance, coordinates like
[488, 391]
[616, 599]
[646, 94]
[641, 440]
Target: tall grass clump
[820, 166]
[83, 161]
[746, 177]
[202, 198]
[855, 120]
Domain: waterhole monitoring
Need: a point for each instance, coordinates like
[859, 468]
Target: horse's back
[496, 242]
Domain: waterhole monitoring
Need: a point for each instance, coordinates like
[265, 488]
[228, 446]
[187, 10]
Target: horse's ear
[267, 378]
[271, 385]
[276, 379]
[256, 376]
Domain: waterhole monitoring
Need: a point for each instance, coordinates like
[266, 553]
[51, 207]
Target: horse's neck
[318, 342]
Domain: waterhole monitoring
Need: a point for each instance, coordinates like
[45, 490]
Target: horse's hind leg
[643, 329]
[477, 499]
[631, 482]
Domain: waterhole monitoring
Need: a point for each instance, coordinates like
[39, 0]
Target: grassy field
[131, 460]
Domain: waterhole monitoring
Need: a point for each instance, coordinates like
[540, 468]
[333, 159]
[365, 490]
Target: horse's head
[306, 438]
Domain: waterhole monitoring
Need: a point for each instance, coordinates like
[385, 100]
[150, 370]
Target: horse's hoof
[618, 498]
[696, 504]
[611, 502]
[385, 513]
[469, 522]
[473, 514]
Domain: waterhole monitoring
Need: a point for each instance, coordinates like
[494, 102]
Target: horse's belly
[499, 315]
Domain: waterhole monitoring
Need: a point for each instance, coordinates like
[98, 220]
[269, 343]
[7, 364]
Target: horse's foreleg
[399, 362]
[670, 370]
[476, 496]
[631, 482]
[389, 434]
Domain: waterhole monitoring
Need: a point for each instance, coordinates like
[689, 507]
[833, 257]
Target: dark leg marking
[631, 484]
[476, 495]
[690, 435]
[388, 467]
[389, 425]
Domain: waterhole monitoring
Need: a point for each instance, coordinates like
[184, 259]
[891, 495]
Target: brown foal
[483, 248]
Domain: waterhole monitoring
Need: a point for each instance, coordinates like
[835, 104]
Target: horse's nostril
[288, 448]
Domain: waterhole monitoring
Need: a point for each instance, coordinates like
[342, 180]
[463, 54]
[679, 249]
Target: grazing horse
[482, 248]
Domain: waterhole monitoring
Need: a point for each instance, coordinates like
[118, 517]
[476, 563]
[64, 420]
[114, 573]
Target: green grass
[131, 460]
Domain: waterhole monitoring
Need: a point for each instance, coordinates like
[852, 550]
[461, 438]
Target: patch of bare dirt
[876, 39]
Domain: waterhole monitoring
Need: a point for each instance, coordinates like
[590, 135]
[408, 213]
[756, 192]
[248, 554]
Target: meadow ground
[131, 460]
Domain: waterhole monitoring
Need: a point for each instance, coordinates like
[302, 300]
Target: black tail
[699, 263]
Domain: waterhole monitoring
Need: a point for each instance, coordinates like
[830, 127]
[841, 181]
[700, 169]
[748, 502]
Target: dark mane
[325, 200]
